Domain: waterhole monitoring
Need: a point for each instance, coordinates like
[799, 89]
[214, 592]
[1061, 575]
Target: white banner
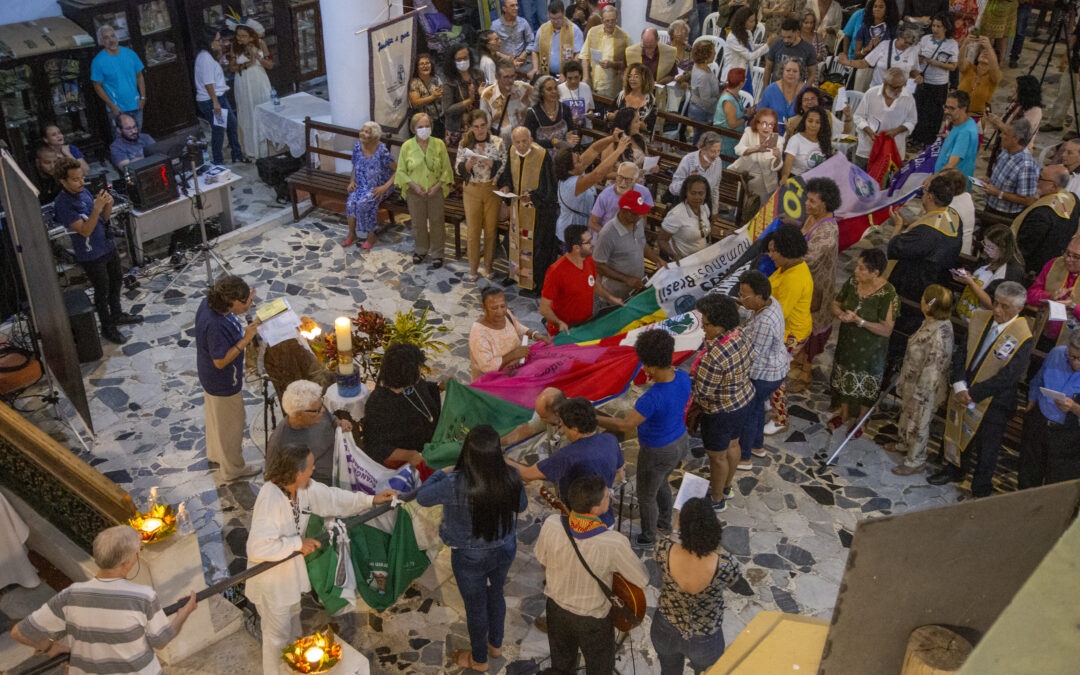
[390, 52]
[679, 286]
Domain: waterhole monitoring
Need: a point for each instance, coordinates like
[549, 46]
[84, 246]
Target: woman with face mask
[424, 175]
[461, 91]
[1003, 263]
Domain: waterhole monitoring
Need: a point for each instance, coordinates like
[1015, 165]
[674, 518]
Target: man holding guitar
[583, 560]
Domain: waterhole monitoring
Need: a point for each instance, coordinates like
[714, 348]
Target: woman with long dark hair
[210, 98]
[809, 146]
[460, 92]
[481, 497]
[880, 20]
[426, 93]
[1003, 262]
[743, 52]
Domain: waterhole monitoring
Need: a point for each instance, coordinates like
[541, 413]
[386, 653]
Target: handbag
[623, 615]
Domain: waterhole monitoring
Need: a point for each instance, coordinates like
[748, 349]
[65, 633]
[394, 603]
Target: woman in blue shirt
[661, 431]
[780, 95]
[481, 497]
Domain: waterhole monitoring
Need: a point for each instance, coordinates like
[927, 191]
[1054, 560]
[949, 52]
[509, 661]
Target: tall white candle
[343, 329]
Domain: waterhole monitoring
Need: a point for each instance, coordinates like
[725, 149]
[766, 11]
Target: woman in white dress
[687, 225]
[249, 58]
[760, 152]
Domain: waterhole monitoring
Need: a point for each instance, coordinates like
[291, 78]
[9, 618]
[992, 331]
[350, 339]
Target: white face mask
[462, 65]
[423, 133]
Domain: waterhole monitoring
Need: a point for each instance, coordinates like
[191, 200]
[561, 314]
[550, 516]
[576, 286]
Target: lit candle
[343, 328]
[313, 655]
[153, 499]
[151, 525]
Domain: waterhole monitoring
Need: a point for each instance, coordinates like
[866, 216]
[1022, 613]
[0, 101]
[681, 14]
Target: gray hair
[1021, 129]
[608, 9]
[1013, 292]
[1074, 339]
[300, 395]
[101, 29]
[373, 128]
[539, 85]
[894, 73]
[629, 164]
[113, 546]
[911, 35]
[708, 138]
[678, 23]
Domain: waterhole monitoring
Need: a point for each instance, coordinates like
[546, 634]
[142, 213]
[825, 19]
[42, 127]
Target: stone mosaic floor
[789, 527]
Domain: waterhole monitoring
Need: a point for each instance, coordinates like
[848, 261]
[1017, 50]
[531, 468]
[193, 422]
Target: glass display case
[307, 28]
[150, 28]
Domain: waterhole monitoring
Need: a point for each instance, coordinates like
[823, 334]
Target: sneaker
[772, 428]
[746, 465]
[113, 335]
[905, 470]
[125, 319]
[758, 452]
[720, 506]
[729, 493]
[642, 543]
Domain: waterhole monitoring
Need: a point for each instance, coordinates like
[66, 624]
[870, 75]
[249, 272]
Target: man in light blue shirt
[551, 35]
[1050, 443]
[515, 33]
[118, 79]
[962, 144]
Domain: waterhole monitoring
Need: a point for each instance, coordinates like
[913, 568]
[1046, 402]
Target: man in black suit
[1044, 228]
[985, 376]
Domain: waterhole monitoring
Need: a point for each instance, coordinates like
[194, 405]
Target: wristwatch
[862, 323]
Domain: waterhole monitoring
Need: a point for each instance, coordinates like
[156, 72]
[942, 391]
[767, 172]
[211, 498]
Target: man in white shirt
[885, 109]
[578, 611]
[211, 101]
[985, 375]
[1070, 157]
[704, 161]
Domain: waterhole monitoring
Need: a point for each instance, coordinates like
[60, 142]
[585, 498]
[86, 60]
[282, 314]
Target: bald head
[649, 39]
[547, 404]
[521, 139]
[1054, 178]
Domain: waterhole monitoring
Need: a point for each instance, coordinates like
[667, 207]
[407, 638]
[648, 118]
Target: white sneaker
[772, 428]
[746, 466]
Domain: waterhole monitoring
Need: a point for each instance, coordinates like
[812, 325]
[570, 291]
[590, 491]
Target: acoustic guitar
[627, 599]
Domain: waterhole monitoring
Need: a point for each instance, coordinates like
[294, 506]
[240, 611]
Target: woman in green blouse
[424, 175]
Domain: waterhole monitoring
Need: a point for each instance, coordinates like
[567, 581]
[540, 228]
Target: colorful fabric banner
[639, 310]
[597, 372]
[885, 160]
[383, 564]
[680, 285]
[390, 56]
[463, 408]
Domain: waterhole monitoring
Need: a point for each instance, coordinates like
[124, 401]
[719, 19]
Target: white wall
[14, 11]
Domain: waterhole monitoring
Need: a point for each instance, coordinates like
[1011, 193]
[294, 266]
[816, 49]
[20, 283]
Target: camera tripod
[202, 250]
[1058, 26]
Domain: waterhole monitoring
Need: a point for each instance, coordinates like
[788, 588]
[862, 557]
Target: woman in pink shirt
[495, 341]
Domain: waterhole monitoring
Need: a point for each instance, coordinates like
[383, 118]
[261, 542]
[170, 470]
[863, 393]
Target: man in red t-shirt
[571, 284]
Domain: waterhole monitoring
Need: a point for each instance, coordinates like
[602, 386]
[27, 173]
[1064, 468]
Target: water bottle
[274, 96]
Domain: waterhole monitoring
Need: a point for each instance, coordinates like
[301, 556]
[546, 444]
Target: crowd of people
[961, 308]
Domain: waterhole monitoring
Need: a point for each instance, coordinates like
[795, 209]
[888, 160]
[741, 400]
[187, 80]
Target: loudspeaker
[84, 325]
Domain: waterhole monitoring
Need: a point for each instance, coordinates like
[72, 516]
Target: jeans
[698, 114]
[136, 114]
[480, 574]
[569, 632]
[673, 649]
[753, 435]
[1023, 12]
[104, 275]
[217, 134]
[533, 11]
[654, 466]
[697, 18]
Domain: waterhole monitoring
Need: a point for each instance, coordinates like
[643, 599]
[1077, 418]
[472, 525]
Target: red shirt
[570, 291]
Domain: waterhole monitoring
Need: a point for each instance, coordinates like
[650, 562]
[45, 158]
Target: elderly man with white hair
[985, 375]
[1013, 185]
[887, 109]
[111, 624]
[372, 179]
[705, 161]
[308, 423]
[118, 78]
[607, 202]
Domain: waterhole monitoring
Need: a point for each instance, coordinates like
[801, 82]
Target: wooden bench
[318, 182]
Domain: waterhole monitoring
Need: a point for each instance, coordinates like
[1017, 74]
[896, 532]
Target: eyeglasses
[1044, 178]
[1069, 255]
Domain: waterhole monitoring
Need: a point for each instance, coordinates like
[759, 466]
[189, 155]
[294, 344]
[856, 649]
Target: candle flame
[313, 655]
[151, 525]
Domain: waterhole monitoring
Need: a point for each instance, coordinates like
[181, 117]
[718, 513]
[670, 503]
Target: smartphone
[771, 141]
[988, 109]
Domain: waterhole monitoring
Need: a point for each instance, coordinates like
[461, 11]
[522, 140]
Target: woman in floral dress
[867, 307]
[373, 176]
[924, 379]
[964, 14]
[999, 24]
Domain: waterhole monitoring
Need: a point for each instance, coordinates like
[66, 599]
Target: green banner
[463, 408]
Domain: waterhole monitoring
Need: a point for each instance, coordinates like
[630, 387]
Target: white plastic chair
[1045, 154]
[853, 98]
[757, 77]
[746, 97]
[663, 37]
[711, 25]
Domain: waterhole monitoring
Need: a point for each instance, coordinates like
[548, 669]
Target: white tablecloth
[353, 405]
[284, 124]
[15, 567]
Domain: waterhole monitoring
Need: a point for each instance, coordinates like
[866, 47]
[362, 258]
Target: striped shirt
[766, 333]
[114, 626]
[722, 379]
[568, 584]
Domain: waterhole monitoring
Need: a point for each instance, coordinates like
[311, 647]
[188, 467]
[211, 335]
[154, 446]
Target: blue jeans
[753, 435]
[480, 574]
[654, 467]
[533, 11]
[673, 649]
[1023, 12]
[699, 114]
[217, 134]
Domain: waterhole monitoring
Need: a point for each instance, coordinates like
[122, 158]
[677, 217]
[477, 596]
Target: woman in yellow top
[979, 79]
[424, 175]
[793, 288]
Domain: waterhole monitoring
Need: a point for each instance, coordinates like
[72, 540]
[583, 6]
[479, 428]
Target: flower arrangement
[371, 333]
[156, 524]
[315, 653]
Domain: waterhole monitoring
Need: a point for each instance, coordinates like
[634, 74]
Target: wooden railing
[63, 489]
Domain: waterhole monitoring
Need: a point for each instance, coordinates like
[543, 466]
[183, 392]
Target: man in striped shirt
[113, 625]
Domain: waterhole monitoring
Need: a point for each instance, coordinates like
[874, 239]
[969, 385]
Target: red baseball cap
[632, 201]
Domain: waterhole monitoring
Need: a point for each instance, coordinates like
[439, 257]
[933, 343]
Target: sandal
[417, 258]
[436, 263]
[367, 245]
[471, 277]
[349, 241]
[464, 659]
